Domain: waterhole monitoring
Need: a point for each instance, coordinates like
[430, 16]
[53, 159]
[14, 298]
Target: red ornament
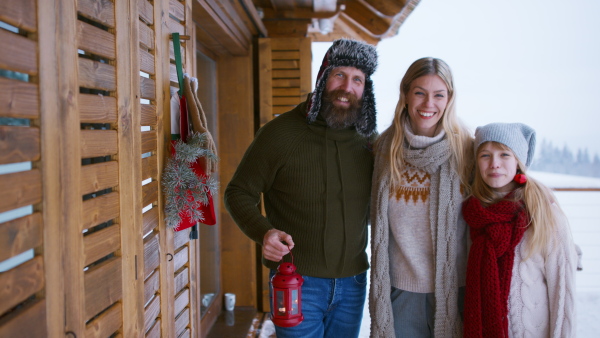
[286, 295]
[520, 178]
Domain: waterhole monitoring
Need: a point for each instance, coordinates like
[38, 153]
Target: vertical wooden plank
[163, 128]
[130, 168]
[265, 86]
[305, 67]
[63, 246]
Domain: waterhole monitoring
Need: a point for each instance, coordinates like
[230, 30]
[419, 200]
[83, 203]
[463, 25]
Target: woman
[522, 261]
[418, 242]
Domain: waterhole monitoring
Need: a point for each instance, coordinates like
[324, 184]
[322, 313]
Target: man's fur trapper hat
[349, 53]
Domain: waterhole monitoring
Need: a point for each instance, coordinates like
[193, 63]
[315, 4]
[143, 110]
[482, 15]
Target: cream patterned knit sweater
[541, 302]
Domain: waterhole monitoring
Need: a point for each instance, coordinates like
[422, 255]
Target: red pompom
[520, 178]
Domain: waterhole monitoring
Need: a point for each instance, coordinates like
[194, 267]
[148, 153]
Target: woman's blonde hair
[538, 200]
[459, 136]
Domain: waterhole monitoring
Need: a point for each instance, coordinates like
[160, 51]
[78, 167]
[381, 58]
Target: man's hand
[273, 249]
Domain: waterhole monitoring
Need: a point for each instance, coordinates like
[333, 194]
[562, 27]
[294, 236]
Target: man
[313, 165]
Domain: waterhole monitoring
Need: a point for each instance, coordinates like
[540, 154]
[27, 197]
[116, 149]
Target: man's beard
[340, 117]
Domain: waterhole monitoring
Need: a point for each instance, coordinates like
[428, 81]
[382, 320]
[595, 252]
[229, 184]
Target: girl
[423, 164]
[522, 262]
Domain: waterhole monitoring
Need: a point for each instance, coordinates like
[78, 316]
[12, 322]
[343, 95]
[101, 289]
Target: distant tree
[556, 160]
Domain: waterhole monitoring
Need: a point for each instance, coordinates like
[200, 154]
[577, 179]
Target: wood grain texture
[101, 11]
[105, 324]
[103, 286]
[95, 40]
[25, 188]
[97, 108]
[95, 143]
[20, 235]
[101, 243]
[19, 13]
[19, 144]
[19, 323]
[99, 176]
[99, 210]
[18, 53]
[19, 99]
[97, 75]
[20, 283]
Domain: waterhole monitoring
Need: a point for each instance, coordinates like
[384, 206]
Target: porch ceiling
[227, 27]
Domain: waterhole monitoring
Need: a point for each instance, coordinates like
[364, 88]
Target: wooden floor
[239, 323]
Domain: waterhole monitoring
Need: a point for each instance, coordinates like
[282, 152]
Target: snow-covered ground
[583, 210]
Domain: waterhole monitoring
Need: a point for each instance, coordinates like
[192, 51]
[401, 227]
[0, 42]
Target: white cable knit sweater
[541, 301]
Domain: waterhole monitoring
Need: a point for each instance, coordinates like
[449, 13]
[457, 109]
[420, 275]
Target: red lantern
[286, 296]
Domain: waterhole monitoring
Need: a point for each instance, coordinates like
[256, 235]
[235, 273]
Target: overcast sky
[530, 61]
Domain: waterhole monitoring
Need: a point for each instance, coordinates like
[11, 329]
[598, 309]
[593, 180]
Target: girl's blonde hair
[459, 136]
[538, 200]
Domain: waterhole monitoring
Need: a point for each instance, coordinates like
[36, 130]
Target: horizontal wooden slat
[97, 108]
[148, 116]
[95, 143]
[150, 220]
[181, 322]
[151, 286]
[149, 193]
[19, 144]
[186, 334]
[278, 110]
[151, 254]
[101, 243]
[20, 235]
[154, 331]
[100, 11]
[286, 92]
[181, 238]
[181, 280]
[20, 283]
[97, 75]
[177, 10]
[18, 99]
[146, 35]
[95, 40]
[27, 321]
[181, 301]
[286, 101]
[99, 176]
[149, 167]
[103, 286]
[285, 64]
[286, 73]
[99, 210]
[286, 82]
[24, 188]
[146, 61]
[106, 324]
[151, 312]
[175, 26]
[285, 55]
[147, 88]
[181, 258]
[19, 13]
[18, 53]
[149, 141]
[146, 11]
[286, 44]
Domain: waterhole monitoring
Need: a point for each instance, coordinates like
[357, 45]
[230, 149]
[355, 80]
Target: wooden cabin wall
[84, 136]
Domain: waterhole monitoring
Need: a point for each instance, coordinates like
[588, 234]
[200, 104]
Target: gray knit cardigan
[445, 203]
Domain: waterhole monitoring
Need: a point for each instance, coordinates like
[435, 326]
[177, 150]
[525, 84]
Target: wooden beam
[297, 13]
[364, 16]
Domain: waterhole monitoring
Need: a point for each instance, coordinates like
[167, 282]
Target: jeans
[332, 307]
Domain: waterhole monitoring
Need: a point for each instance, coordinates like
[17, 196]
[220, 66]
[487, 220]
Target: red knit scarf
[495, 232]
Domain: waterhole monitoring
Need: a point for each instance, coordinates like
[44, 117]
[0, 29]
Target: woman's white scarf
[444, 208]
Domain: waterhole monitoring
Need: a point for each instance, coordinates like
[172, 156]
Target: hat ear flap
[367, 123]
[315, 100]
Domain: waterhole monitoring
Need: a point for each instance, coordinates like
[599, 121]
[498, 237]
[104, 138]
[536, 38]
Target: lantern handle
[290, 255]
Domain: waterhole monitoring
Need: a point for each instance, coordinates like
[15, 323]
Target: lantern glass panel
[280, 303]
[294, 302]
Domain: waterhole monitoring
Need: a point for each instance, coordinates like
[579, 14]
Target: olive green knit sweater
[316, 183]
